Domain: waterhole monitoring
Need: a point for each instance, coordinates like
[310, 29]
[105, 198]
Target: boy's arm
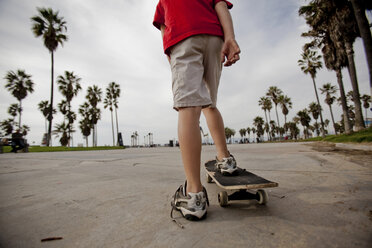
[230, 49]
[162, 29]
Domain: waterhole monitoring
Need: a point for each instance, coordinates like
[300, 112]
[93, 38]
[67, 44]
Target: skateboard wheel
[223, 198]
[262, 196]
[209, 178]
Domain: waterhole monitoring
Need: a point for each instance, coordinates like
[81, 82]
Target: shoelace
[174, 207]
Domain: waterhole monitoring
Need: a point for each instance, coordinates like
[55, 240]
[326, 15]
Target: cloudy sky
[114, 40]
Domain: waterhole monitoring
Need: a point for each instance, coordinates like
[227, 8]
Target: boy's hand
[230, 50]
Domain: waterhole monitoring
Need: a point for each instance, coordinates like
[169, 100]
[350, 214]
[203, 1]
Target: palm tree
[254, 133]
[94, 96]
[314, 109]
[242, 133]
[259, 122]
[366, 103]
[43, 106]
[335, 60]
[69, 86]
[320, 16]
[274, 93]
[14, 109]
[309, 64]
[108, 103]
[329, 90]
[349, 32]
[85, 123]
[114, 89]
[293, 129]
[52, 28]
[7, 126]
[305, 119]
[62, 129]
[266, 105]
[249, 133]
[274, 128]
[359, 7]
[286, 104]
[344, 31]
[19, 85]
[229, 133]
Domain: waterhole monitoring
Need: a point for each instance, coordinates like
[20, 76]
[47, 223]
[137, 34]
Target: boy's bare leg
[190, 145]
[217, 129]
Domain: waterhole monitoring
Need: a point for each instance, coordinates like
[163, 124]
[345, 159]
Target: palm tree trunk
[117, 127]
[113, 133]
[277, 117]
[345, 109]
[86, 141]
[333, 119]
[51, 103]
[365, 32]
[93, 136]
[20, 113]
[359, 123]
[268, 133]
[320, 110]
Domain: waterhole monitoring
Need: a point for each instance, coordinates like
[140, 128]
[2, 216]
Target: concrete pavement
[121, 198]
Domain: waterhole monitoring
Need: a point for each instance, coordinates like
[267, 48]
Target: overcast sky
[114, 40]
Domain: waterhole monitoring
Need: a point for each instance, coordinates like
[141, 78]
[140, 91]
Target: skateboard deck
[241, 182]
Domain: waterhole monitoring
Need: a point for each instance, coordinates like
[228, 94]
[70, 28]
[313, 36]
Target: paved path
[122, 199]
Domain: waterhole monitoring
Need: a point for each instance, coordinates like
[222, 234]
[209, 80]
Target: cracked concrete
[121, 198]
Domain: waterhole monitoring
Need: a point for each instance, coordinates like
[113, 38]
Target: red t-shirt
[184, 18]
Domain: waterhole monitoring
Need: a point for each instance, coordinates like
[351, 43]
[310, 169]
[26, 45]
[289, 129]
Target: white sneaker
[227, 166]
[192, 206]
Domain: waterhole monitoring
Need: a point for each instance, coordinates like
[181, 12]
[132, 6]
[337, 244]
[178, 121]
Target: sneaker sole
[189, 215]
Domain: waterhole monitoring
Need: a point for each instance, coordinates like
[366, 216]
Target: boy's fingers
[222, 57]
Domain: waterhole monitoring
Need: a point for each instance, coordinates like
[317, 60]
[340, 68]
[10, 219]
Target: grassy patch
[357, 137]
[65, 149]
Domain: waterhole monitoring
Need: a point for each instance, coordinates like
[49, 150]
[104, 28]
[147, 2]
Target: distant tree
[61, 130]
[115, 91]
[14, 109]
[310, 64]
[329, 90]
[249, 133]
[305, 120]
[274, 93]
[258, 122]
[366, 99]
[94, 96]
[242, 133]
[314, 110]
[286, 104]
[51, 28]
[7, 126]
[108, 102]
[19, 85]
[85, 123]
[69, 86]
[266, 105]
[229, 133]
[44, 108]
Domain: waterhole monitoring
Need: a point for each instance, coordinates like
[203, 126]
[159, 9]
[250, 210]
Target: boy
[198, 37]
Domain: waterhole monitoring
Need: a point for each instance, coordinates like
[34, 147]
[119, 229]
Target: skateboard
[241, 183]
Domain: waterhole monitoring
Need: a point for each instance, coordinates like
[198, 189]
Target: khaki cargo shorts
[196, 70]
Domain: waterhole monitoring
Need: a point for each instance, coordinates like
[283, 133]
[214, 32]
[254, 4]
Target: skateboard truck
[260, 195]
